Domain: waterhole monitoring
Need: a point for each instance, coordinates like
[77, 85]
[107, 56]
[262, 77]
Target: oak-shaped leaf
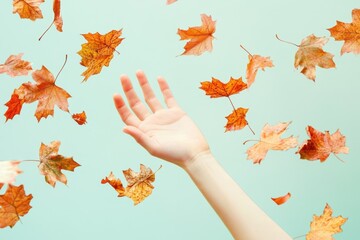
[45, 91]
[80, 118]
[256, 62]
[15, 66]
[270, 140]
[28, 8]
[139, 184]
[349, 33]
[282, 199]
[51, 163]
[217, 88]
[323, 227]
[236, 120]
[200, 37]
[310, 54]
[13, 205]
[321, 145]
[8, 171]
[98, 51]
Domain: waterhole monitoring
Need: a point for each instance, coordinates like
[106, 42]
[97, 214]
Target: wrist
[199, 161]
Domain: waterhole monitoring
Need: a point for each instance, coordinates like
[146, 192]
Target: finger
[140, 110]
[126, 115]
[149, 95]
[168, 96]
[144, 140]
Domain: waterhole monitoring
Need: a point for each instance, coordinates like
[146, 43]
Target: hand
[165, 132]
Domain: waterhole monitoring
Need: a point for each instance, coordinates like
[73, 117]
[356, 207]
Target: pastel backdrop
[85, 209]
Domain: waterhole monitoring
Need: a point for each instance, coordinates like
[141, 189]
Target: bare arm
[168, 133]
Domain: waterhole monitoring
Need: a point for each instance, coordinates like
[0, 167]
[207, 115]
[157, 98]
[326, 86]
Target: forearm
[244, 219]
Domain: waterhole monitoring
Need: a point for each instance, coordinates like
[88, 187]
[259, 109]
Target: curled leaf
[256, 62]
[80, 118]
[15, 66]
[8, 171]
[282, 199]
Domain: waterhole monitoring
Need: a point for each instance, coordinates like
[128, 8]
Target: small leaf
[282, 199]
[256, 62]
[8, 171]
[15, 66]
[28, 8]
[236, 120]
[80, 118]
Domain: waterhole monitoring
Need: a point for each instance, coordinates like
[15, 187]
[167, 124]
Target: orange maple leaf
[324, 226]
[256, 62]
[216, 88]
[282, 199]
[45, 91]
[8, 171]
[98, 51]
[15, 66]
[14, 204]
[51, 163]
[80, 118]
[57, 18]
[320, 145]
[28, 8]
[236, 120]
[310, 54]
[348, 32]
[270, 140]
[139, 184]
[200, 37]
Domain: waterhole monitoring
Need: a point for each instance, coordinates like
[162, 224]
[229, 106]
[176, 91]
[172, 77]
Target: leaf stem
[66, 56]
[246, 50]
[250, 129]
[46, 30]
[251, 140]
[286, 41]
[339, 158]
[30, 160]
[299, 236]
[232, 104]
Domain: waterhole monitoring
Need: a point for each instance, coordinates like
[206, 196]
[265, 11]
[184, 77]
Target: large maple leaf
[13, 205]
[348, 32]
[45, 91]
[8, 171]
[321, 145]
[28, 8]
[200, 37]
[15, 66]
[139, 184]
[51, 163]
[270, 140]
[216, 88]
[98, 51]
[256, 62]
[310, 54]
[324, 226]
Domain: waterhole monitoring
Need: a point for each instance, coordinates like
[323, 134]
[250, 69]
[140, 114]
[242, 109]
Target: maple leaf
[14, 204]
[8, 171]
[200, 37]
[57, 18]
[282, 199]
[310, 54]
[270, 140]
[236, 120]
[168, 2]
[28, 8]
[348, 32]
[324, 226]
[80, 118]
[320, 145]
[139, 184]
[98, 51]
[256, 62]
[51, 163]
[45, 91]
[15, 66]
[216, 88]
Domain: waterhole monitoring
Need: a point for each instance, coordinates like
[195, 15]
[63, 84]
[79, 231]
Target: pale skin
[167, 132]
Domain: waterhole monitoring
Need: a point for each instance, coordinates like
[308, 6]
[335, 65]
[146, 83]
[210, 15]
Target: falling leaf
[139, 184]
[200, 37]
[320, 145]
[8, 171]
[282, 199]
[98, 51]
[168, 2]
[45, 91]
[28, 8]
[310, 54]
[80, 118]
[324, 226]
[236, 120]
[270, 140]
[15, 66]
[216, 88]
[348, 32]
[51, 163]
[14, 204]
[57, 18]
[256, 62]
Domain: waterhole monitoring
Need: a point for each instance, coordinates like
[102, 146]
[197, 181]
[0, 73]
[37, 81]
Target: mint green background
[85, 209]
